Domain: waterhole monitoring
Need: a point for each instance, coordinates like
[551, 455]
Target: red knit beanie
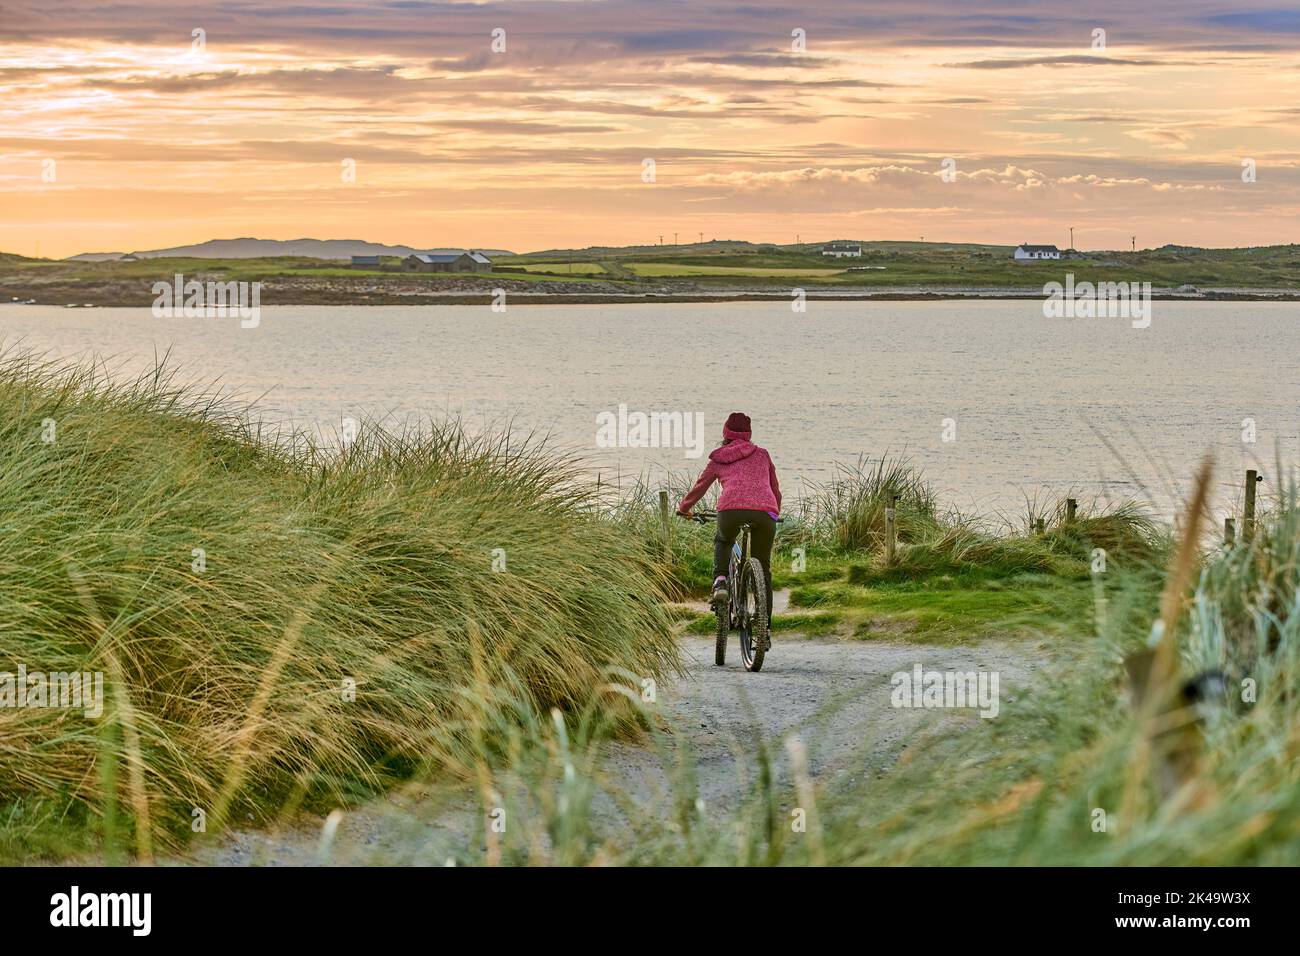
[737, 426]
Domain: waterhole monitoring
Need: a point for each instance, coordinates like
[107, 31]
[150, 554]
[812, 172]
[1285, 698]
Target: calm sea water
[1031, 404]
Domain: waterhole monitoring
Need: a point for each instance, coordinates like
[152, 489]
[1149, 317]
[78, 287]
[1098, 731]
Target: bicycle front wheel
[720, 637]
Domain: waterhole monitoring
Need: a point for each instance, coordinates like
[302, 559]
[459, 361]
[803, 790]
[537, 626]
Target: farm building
[842, 250]
[365, 262]
[1027, 253]
[447, 262]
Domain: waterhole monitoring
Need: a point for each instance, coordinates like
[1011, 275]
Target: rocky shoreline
[470, 290]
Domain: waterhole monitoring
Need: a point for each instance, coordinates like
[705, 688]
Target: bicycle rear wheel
[754, 620]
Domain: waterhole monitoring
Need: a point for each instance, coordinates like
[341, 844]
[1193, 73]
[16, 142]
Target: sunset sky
[156, 142]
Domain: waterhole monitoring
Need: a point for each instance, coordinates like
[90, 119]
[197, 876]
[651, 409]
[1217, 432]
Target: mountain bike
[746, 610]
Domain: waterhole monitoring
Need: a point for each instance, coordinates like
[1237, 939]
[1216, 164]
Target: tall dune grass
[1059, 794]
[845, 517]
[276, 618]
[849, 511]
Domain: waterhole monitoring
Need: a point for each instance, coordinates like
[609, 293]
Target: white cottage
[842, 250]
[1027, 253]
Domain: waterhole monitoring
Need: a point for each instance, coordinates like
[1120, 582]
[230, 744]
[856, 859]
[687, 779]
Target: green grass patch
[961, 614]
[821, 624]
[953, 608]
[810, 625]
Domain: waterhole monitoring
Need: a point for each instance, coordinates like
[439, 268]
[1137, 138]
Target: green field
[560, 268]
[733, 271]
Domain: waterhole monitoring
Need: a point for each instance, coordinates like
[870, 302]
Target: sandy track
[833, 695]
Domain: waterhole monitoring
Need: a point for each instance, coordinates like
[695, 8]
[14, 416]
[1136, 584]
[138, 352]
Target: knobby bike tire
[723, 615]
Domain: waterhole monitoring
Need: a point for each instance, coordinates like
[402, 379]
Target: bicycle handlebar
[701, 517]
[704, 517]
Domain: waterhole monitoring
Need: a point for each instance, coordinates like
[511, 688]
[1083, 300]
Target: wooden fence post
[1071, 509]
[1229, 532]
[1039, 525]
[1248, 519]
[667, 526]
[889, 530]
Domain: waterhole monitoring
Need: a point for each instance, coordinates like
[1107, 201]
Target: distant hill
[260, 248]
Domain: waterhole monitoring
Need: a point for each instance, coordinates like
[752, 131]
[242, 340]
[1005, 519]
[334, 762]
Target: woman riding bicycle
[750, 495]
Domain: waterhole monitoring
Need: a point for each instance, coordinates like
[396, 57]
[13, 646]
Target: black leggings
[762, 531]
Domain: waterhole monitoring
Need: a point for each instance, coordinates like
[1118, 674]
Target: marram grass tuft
[275, 619]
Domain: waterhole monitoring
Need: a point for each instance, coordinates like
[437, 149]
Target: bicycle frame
[739, 555]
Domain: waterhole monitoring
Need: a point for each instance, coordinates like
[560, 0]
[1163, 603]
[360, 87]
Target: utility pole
[1135, 243]
[701, 238]
[1071, 238]
[661, 240]
[674, 238]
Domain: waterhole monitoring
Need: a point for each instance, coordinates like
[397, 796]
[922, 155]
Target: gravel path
[832, 695]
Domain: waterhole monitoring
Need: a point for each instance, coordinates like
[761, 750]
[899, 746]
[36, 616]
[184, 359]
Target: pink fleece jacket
[747, 474]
